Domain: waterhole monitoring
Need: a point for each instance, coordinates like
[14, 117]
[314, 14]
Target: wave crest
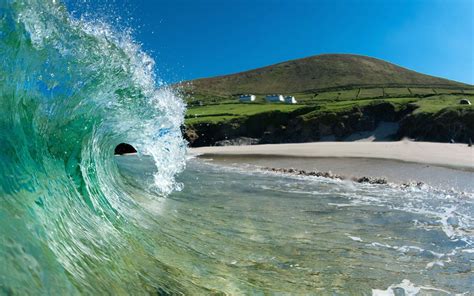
[70, 91]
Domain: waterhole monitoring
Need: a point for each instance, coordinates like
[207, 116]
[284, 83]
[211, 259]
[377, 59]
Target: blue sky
[193, 39]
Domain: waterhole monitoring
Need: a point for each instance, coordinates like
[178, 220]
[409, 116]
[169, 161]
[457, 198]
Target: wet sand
[393, 171]
[444, 166]
[441, 154]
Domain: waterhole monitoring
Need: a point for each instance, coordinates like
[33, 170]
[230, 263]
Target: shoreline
[453, 156]
[439, 165]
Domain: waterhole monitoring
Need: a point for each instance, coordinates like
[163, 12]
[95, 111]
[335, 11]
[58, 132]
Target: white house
[290, 100]
[247, 98]
[275, 98]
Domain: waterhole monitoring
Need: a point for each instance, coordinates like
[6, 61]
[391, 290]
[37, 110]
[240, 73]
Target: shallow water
[238, 231]
[392, 170]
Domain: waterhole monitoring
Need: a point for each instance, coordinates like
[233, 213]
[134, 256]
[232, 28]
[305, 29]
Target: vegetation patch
[468, 91]
[421, 91]
[396, 92]
[226, 112]
[435, 104]
[447, 91]
[370, 93]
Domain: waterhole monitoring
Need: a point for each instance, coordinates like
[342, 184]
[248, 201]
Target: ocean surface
[77, 220]
[393, 171]
[243, 231]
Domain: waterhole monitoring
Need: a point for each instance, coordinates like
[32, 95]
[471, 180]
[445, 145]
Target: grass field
[340, 95]
[447, 91]
[346, 106]
[393, 92]
[215, 109]
[367, 93]
[330, 102]
[437, 103]
[312, 98]
[421, 91]
[223, 112]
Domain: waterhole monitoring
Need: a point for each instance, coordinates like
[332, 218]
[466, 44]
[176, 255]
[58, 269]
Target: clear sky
[192, 39]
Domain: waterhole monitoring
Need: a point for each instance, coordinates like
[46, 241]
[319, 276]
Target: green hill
[337, 94]
[316, 74]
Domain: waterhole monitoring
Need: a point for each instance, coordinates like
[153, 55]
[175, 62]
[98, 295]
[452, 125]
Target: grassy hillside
[318, 74]
[431, 118]
[218, 113]
[337, 95]
[221, 113]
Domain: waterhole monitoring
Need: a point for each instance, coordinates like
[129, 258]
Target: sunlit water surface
[237, 231]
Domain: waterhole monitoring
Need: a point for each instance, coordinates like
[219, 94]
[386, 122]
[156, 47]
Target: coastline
[455, 156]
[439, 165]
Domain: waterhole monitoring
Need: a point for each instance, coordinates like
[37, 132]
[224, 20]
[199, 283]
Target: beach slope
[441, 154]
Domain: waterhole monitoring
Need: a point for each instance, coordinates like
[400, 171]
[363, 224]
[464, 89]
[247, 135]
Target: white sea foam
[408, 288]
[354, 238]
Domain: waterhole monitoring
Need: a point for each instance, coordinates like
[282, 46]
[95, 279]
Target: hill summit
[317, 73]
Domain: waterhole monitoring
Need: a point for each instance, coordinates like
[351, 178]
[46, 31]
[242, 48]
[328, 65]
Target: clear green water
[70, 91]
[249, 232]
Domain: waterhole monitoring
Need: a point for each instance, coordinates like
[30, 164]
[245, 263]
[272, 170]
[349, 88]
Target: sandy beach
[440, 165]
[441, 154]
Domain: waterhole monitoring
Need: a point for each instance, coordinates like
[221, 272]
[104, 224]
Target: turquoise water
[243, 231]
[74, 219]
[70, 91]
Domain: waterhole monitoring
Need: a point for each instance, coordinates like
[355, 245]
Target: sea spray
[70, 91]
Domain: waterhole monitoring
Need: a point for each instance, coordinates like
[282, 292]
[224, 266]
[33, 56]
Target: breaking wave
[70, 91]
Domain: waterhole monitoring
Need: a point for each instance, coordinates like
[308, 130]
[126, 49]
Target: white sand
[443, 154]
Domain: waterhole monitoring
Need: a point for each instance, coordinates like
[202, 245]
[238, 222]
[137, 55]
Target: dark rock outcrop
[310, 125]
[443, 126]
[294, 127]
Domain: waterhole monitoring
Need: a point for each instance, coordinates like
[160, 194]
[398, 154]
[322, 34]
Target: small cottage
[290, 100]
[274, 98]
[247, 98]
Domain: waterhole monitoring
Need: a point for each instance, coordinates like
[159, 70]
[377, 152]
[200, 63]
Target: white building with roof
[290, 100]
[247, 98]
[274, 98]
